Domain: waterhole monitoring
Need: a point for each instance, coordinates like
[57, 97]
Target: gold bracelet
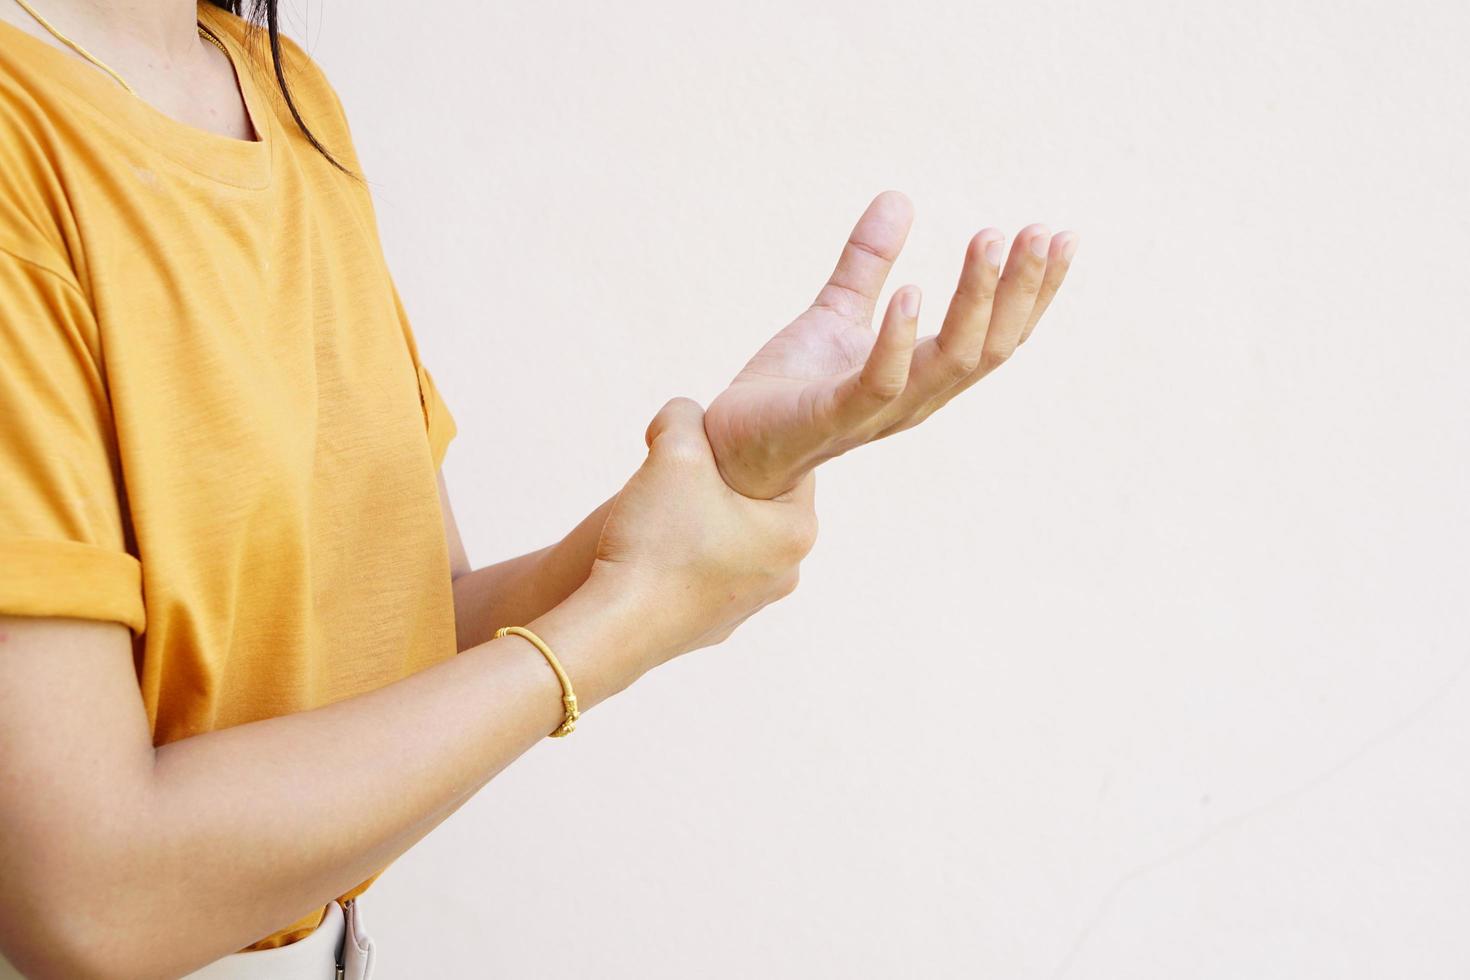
[568, 699]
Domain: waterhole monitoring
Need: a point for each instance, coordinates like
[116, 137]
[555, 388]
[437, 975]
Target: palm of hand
[764, 422]
[827, 383]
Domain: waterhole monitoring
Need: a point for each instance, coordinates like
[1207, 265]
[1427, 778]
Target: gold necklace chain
[204, 33]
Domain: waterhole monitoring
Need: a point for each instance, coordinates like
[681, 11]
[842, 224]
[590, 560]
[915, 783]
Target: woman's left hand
[826, 383]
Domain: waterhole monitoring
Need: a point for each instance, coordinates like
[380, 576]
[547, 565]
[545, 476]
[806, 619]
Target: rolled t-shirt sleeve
[63, 547]
[438, 421]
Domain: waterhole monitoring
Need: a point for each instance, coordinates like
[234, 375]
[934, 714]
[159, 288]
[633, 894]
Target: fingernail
[995, 251]
[1039, 244]
[910, 303]
[1069, 247]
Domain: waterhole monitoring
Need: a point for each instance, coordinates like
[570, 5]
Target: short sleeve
[439, 424]
[63, 547]
[439, 421]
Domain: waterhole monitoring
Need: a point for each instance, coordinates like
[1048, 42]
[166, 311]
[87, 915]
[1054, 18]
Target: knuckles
[800, 535]
[680, 448]
[885, 389]
[994, 357]
[959, 363]
[1024, 285]
[788, 583]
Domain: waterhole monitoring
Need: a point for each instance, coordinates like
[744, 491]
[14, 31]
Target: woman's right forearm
[269, 820]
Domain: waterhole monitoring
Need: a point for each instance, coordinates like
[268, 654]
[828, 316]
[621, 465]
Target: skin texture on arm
[114, 852]
[515, 591]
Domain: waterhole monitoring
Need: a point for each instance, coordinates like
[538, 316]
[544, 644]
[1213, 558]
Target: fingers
[866, 259]
[790, 528]
[967, 322]
[1059, 260]
[1016, 294]
[886, 371]
[804, 494]
[994, 309]
[946, 360]
[678, 428]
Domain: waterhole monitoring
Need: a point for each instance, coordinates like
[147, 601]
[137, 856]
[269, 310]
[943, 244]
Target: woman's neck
[154, 48]
[151, 29]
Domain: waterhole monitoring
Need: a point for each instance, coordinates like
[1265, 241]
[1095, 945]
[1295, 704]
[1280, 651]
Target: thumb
[679, 418]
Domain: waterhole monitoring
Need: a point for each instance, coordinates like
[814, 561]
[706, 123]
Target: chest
[257, 367]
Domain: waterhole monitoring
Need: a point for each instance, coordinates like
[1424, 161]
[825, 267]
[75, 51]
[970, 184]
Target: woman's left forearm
[518, 590]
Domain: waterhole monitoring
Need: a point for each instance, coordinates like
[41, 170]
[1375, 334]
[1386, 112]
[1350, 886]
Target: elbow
[82, 923]
[66, 926]
[82, 940]
[50, 943]
[78, 892]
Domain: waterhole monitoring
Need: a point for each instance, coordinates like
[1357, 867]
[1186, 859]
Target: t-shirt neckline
[242, 163]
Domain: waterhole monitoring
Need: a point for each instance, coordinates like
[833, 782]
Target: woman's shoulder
[33, 203]
[313, 93]
[298, 64]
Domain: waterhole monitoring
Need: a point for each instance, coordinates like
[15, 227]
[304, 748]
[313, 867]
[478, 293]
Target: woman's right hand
[696, 557]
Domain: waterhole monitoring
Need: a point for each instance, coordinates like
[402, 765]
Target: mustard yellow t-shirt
[214, 423]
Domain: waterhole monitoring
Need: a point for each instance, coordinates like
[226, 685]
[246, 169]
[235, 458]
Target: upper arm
[63, 545]
[459, 562]
[75, 744]
[76, 754]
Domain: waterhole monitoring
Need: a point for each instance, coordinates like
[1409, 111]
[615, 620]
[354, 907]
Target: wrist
[597, 634]
[765, 479]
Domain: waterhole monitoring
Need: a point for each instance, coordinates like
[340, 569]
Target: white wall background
[1145, 659]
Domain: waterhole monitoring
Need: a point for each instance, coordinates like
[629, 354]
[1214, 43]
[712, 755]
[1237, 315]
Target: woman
[220, 490]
